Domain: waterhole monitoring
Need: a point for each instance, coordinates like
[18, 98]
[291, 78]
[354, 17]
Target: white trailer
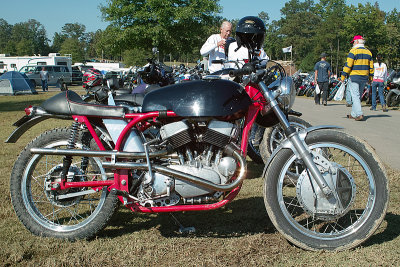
[101, 66]
[8, 63]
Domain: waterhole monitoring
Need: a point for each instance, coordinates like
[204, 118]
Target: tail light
[28, 110]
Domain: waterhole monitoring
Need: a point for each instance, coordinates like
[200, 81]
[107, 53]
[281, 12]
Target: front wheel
[392, 99]
[75, 213]
[309, 220]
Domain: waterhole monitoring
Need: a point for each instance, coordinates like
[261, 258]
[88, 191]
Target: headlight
[286, 97]
[288, 92]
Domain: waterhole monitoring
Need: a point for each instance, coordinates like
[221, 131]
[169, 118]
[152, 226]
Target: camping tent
[14, 82]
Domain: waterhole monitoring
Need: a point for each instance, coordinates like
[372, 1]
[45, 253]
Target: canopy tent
[14, 82]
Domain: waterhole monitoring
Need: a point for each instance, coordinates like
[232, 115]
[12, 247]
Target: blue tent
[14, 82]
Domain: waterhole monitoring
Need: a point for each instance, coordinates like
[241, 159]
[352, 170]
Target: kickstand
[182, 229]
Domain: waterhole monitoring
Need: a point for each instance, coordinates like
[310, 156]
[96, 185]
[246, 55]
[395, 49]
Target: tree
[263, 16]
[273, 40]
[171, 25]
[74, 31]
[58, 40]
[366, 20]
[72, 40]
[391, 50]
[5, 33]
[298, 27]
[94, 47]
[329, 36]
[135, 57]
[75, 48]
[32, 34]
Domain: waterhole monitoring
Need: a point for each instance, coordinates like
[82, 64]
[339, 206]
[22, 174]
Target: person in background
[360, 69]
[322, 73]
[380, 76]
[250, 34]
[44, 76]
[214, 47]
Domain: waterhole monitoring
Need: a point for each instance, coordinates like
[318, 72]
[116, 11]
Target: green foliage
[171, 25]
[136, 57]
[74, 30]
[329, 26]
[24, 38]
[5, 33]
[73, 46]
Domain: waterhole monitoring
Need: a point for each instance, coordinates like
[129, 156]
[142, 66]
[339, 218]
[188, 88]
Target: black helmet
[250, 33]
[150, 74]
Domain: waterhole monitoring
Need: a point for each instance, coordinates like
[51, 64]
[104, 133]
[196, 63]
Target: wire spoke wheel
[70, 213]
[301, 212]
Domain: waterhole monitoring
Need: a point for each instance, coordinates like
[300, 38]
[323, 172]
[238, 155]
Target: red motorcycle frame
[139, 120]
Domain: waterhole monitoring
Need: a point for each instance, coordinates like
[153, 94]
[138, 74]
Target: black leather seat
[70, 103]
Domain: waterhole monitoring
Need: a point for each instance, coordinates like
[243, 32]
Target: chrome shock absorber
[84, 160]
[71, 145]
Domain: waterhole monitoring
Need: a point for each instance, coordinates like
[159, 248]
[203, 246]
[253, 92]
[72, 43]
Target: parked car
[59, 75]
[76, 75]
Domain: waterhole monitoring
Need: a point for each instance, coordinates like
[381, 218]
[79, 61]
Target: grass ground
[239, 234]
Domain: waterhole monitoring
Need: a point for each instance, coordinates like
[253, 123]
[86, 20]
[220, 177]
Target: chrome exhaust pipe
[185, 176]
[97, 153]
[143, 166]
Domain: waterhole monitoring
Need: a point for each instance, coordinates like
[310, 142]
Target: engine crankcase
[187, 189]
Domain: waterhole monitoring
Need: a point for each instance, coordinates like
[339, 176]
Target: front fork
[300, 146]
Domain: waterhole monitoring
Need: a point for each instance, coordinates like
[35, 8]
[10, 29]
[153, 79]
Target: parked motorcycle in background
[393, 87]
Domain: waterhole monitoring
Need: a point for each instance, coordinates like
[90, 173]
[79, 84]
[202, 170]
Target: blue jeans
[378, 85]
[354, 90]
[45, 87]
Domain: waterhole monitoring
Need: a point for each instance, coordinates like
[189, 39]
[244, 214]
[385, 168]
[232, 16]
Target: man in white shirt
[44, 76]
[214, 47]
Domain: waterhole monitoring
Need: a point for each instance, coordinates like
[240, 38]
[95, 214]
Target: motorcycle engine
[199, 145]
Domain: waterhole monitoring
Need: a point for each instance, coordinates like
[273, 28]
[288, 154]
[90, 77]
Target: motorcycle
[393, 88]
[66, 182]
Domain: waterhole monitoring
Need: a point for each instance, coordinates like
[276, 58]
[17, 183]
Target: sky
[54, 14]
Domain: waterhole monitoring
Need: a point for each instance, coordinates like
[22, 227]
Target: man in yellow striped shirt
[359, 68]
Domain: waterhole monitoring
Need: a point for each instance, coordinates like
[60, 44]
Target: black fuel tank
[199, 99]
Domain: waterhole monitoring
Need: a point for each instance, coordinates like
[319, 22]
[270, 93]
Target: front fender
[286, 144]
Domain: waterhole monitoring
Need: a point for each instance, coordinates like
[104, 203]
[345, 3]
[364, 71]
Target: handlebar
[256, 71]
[240, 72]
[218, 61]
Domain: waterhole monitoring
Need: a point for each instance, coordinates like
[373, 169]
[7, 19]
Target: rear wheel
[74, 213]
[308, 219]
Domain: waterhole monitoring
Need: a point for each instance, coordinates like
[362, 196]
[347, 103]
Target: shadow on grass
[391, 232]
[239, 218]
